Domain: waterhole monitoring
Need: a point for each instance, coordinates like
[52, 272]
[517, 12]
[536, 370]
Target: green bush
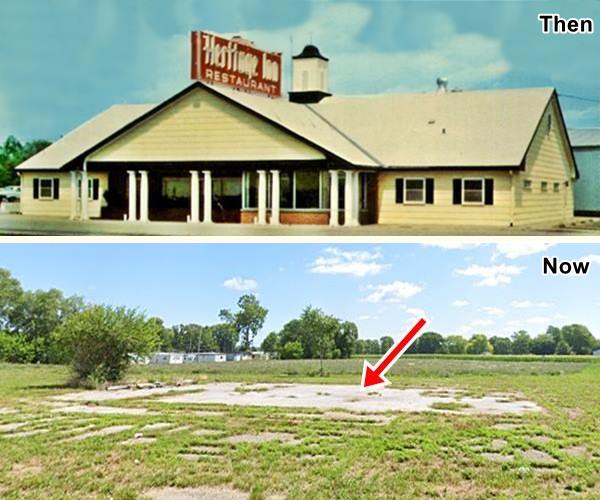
[15, 349]
[100, 341]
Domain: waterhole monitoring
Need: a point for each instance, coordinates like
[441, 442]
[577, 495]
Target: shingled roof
[491, 128]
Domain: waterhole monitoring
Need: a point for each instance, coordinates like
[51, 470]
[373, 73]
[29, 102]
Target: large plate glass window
[250, 190]
[307, 189]
[414, 190]
[472, 192]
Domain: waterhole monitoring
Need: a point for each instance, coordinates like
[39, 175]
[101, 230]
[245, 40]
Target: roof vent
[442, 85]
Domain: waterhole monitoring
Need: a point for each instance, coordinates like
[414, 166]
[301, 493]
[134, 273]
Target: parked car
[10, 193]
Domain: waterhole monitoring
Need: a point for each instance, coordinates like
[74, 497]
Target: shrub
[100, 340]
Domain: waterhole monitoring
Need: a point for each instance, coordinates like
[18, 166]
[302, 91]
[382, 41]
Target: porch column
[84, 195]
[132, 214]
[143, 196]
[275, 197]
[194, 197]
[334, 199]
[356, 198]
[207, 197]
[348, 198]
[74, 195]
[262, 196]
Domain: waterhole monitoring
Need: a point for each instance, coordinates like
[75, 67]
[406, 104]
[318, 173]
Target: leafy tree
[479, 344]
[291, 350]
[555, 333]
[226, 336]
[430, 343]
[543, 344]
[11, 296]
[360, 347]
[501, 345]
[12, 153]
[562, 348]
[101, 339]
[271, 343]
[345, 337]
[248, 320]
[166, 335]
[385, 343]
[579, 338]
[15, 349]
[456, 344]
[318, 332]
[521, 342]
[372, 346]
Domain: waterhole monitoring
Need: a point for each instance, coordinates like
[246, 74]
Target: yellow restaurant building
[212, 154]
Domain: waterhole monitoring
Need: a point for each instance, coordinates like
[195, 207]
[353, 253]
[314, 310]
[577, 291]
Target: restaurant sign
[235, 63]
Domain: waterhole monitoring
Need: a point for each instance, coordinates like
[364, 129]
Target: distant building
[238, 356]
[167, 358]
[596, 352]
[586, 148]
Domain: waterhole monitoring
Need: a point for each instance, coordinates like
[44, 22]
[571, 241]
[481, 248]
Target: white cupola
[310, 76]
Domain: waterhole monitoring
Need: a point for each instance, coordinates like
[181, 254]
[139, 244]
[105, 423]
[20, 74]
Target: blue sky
[63, 61]
[459, 288]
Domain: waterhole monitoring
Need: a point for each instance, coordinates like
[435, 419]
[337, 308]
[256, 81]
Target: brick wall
[248, 217]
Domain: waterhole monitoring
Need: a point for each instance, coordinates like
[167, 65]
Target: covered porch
[198, 193]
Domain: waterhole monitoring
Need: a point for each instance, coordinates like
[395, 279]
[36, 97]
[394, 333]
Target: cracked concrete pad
[577, 451]
[87, 396]
[202, 449]
[107, 431]
[504, 426]
[345, 397]
[207, 432]
[23, 434]
[157, 426]
[103, 410]
[179, 429]
[202, 493]
[541, 439]
[498, 444]
[497, 457]
[12, 426]
[284, 437]
[138, 440]
[7, 411]
[539, 457]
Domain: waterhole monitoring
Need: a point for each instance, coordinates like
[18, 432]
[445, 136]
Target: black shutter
[95, 189]
[457, 191]
[399, 190]
[489, 191]
[429, 191]
[36, 189]
[56, 186]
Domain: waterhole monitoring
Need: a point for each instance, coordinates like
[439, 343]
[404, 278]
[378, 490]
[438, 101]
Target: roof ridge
[346, 136]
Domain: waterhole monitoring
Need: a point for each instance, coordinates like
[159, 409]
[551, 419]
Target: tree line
[12, 153]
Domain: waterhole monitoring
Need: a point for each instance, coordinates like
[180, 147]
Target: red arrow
[375, 375]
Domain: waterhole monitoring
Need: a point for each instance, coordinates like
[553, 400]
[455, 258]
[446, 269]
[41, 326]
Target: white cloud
[528, 304]
[491, 275]
[595, 259]
[515, 250]
[481, 322]
[460, 303]
[539, 320]
[493, 311]
[396, 291]
[240, 284]
[357, 263]
[356, 66]
[415, 311]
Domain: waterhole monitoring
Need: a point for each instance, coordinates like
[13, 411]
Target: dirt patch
[284, 437]
[202, 493]
[103, 410]
[7, 411]
[539, 457]
[497, 457]
[107, 431]
[29, 468]
[345, 397]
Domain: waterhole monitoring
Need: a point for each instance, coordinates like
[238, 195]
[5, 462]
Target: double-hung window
[414, 190]
[472, 192]
[45, 188]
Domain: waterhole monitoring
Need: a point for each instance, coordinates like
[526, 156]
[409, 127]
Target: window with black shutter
[36, 189]
[95, 189]
[56, 189]
[399, 190]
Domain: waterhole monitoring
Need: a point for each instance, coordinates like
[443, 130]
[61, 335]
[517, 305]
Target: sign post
[235, 63]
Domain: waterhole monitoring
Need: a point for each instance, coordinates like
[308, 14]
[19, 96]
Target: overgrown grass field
[413, 455]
